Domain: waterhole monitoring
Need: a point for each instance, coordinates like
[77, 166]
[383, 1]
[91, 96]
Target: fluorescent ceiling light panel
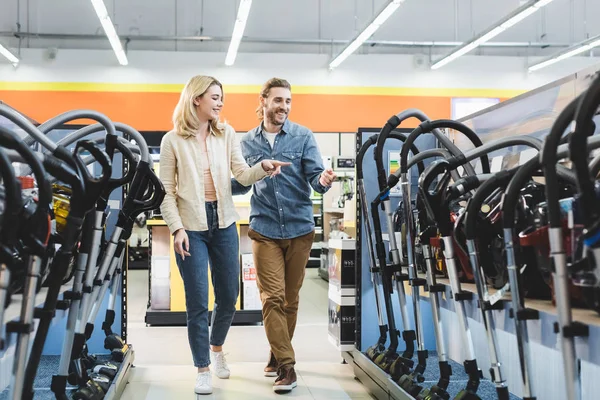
[9, 56]
[578, 48]
[238, 31]
[512, 19]
[379, 20]
[109, 30]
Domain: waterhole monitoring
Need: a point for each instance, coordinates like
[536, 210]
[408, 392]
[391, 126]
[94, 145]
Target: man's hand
[273, 167]
[327, 177]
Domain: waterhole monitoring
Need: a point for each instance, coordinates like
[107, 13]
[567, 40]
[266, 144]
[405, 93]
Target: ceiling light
[238, 31]
[10, 56]
[379, 20]
[578, 48]
[512, 19]
[110, 31]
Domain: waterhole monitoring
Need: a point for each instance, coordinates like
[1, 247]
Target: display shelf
[379, 384]
[313, 262]
[470, 287]
[14, 309]
[173, 312]
[179, 318]
[119, 383]
[582, 315]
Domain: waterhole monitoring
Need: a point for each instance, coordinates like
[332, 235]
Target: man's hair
[266, 89]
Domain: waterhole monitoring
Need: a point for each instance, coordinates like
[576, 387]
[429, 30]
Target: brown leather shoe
[286, 379]
[271, 368]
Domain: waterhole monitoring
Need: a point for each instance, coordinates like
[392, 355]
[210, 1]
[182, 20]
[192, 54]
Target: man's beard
[272, 117]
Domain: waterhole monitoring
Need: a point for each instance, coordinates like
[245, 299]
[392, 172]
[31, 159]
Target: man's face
[278, 105]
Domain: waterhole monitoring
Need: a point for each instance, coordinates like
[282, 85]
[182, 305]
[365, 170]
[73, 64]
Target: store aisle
[163, 363]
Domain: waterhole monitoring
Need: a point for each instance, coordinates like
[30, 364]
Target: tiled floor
[169, 373]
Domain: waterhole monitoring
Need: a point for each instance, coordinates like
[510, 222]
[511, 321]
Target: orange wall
[152, 110]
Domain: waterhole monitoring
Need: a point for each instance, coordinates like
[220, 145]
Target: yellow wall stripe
[255, 89]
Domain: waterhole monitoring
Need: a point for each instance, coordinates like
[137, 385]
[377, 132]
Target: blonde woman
[197, 160]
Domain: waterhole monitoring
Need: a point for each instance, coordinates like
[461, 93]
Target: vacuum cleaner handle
[137, 202]
[501, 144]
[361, 154]
[22, 122]
[585, 127]
[12, 203]
[10, 140]
[499, 180]
[91, 129]
[37, 231]
[549, 158]
[94, 186]
[429, 126]
[396, 120]
[64, 173]
[113, 143]
[413, 149]
[435, 200]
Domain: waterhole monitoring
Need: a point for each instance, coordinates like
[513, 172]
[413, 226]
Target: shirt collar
[284, 129]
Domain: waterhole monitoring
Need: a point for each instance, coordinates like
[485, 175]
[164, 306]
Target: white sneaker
[220, 365]
[203, 383]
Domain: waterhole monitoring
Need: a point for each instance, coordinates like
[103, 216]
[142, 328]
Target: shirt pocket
[253, 159]
[292, 156]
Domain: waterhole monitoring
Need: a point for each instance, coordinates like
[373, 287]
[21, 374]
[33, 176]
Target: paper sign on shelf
[393, 166]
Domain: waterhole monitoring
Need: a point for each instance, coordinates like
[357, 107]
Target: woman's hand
[273, 167]
[182, 243]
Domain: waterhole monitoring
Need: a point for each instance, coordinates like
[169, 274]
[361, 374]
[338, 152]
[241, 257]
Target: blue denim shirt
[281, 207]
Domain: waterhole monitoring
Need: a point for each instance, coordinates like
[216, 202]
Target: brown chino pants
[280, 267]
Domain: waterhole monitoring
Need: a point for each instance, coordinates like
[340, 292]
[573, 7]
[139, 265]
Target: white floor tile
[169, 373]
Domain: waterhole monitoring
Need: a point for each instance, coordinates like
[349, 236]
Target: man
[281, 221]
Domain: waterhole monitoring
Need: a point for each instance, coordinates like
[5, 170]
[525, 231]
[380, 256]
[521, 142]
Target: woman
[197, 159]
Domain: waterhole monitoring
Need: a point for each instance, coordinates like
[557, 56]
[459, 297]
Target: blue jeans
[219, 247]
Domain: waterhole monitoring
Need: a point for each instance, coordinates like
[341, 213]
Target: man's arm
[238, 189]
[312, 164]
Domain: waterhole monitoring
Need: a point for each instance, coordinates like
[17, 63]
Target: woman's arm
[167, 174]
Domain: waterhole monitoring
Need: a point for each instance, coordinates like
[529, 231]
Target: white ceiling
[296, 26]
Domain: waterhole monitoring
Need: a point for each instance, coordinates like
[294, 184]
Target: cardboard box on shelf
[342, 322]
[160, 283]
[342, 265]
[251, 296]
[248, 269]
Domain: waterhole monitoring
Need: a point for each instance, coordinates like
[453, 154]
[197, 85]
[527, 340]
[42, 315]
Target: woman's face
[209, 105]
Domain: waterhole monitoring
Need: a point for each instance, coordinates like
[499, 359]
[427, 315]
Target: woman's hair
[185, 120]
[266, 89]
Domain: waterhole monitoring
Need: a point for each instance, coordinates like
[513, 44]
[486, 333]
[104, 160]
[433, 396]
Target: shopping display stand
[533, 114]
[378, 383]
[56, 331]
[166, 296]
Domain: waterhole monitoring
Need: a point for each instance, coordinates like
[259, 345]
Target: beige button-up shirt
[182, 176]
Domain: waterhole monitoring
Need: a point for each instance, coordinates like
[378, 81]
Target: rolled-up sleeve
[167, 174]
[243, 173]
[312, 164]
